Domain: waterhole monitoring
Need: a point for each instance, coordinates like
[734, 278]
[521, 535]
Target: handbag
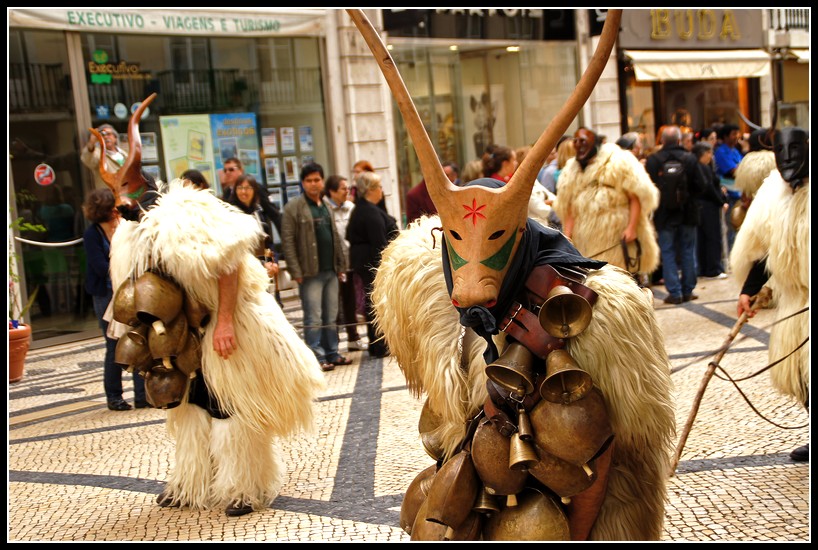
[116, 330]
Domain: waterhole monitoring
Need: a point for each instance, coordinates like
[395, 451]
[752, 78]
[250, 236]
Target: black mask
[792, 154]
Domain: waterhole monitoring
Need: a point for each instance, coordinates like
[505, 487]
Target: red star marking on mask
[474, 211]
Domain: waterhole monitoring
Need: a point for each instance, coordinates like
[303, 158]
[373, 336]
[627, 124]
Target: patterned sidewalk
[79, 472]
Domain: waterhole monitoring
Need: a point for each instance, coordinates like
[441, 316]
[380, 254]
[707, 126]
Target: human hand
[629, 235]
[342, 277]
[224, 339]
[298, 280]
[272, 269]
[744, 306]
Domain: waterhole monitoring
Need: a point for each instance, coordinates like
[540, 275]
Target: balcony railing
[789, 19]
[38, 87]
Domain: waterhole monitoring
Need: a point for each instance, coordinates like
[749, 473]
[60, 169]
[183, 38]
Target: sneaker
[801, 454]
[238, 508]
[675, 300]
[356, 345]
[689, 297]
[719, 276]
[119, 405]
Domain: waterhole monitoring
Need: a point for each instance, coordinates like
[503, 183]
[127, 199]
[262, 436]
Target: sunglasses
[231, 169]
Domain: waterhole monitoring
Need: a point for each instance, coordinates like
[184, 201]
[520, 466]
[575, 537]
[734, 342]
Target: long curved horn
[526, 173]
[436, 181]
[108, 177]
[130, 173]
[752, 125]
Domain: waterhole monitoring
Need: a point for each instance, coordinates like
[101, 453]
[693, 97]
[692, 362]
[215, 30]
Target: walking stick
[759, 300]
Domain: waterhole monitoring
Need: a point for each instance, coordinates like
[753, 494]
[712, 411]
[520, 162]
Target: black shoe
[119, 405]
[142, 405]
[166, 501]
[675, 300]
[801, 454]
[238, 508]
[689, 297]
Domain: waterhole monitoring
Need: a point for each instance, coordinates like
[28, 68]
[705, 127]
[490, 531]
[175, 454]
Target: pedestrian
[245, 197]
[678, 179]
[751, 172]
[315, 260]
[369, 231]
[418, 201]
[100, 210]
[499, 162]
[337, 200]
[727, 156]
[712, 206]
[605, 198]
[196, 178]
[774, 242]
[92, 152]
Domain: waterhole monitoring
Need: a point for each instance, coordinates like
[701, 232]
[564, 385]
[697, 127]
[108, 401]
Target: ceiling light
[453, 47]
[513, 49]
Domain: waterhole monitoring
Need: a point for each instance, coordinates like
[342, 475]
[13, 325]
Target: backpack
[672, 184]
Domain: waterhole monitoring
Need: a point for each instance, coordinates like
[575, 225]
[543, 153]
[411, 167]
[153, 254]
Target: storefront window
[480, 93]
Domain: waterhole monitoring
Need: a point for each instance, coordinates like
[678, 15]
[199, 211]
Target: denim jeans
[681, 240]
[112, 374]
[319, 302]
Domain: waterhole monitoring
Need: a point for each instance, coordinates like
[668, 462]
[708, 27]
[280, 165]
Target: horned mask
[128, 179]
[483, 226]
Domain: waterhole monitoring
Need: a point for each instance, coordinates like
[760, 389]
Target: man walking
[315, 260]
[675, 173]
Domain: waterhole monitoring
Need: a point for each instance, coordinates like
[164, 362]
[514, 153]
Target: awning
[227, 22]
[698, 65]
[801, 55]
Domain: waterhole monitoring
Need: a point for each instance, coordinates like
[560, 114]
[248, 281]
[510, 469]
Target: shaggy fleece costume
[598, 199]
[753, 169]
[267, 386]
[778, 226]
[622, 349]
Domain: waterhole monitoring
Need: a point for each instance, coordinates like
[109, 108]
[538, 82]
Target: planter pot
[19, 342]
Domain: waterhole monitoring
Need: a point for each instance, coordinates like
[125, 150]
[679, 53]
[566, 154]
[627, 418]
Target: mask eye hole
[455, 235]
[497, 234]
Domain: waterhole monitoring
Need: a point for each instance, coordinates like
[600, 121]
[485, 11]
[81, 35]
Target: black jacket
[369, 230]
[689, 214]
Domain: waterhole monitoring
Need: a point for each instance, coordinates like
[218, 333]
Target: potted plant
[19, 331]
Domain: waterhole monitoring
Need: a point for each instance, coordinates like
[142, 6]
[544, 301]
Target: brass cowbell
[513, 370]
[565, 382]
[564, 314]
[522, 454]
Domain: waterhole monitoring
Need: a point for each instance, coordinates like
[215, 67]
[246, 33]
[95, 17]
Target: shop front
[237, 83]
[480, 76]
[698, 67]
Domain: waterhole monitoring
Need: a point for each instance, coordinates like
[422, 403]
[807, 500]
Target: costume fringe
[622, 349]
[598, 199]
[753, 169]
[189, 483]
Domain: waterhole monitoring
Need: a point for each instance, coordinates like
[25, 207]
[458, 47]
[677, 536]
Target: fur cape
[622, 349]
[537, 208]
[598, 199]
[777, 227]
[753, 169]
[270, 382]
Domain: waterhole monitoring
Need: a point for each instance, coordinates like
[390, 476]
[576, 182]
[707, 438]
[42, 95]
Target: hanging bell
[524, 425]
[564, 314]
[513, 370]
[522, 455]
[564, 381]
[485, 504]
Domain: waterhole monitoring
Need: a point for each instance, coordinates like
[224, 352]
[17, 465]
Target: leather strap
[525, 327]
[544, 278]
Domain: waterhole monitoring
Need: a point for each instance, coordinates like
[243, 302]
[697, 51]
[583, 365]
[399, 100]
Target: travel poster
[305, 138]
[291, 169]
[235, 135]
[186, 144]
[272, 168]
[269, 142]
[287, 139]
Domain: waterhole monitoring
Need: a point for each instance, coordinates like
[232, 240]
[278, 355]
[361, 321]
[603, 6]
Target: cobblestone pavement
[79, 472]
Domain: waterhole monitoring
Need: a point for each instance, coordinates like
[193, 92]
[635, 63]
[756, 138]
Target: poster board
[186, 144]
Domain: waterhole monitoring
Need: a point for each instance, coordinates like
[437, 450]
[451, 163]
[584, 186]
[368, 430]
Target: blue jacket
[97, 261]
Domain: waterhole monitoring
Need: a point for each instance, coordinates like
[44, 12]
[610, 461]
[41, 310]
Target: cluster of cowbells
[164, 342]
[511, 479]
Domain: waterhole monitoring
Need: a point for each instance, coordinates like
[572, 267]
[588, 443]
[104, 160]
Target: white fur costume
[598, 199]
[267, 385]
[753, 169]
[622, 349]
[778, 226]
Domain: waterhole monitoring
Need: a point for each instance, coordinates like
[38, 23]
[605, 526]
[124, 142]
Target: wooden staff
[759, 300]
[269, 254]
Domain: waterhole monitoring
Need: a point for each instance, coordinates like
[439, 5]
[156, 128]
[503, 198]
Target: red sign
[44, 175]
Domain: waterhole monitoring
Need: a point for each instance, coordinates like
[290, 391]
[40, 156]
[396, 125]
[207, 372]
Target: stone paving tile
[78, 472]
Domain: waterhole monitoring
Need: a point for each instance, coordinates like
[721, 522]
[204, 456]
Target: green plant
[16, 312]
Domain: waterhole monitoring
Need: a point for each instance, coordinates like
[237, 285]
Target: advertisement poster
[269, 142]
[291, 169]
[273, 170]
[305, 138]
[186, 145]
[149, 151]
[235, 136]
[288, 139]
